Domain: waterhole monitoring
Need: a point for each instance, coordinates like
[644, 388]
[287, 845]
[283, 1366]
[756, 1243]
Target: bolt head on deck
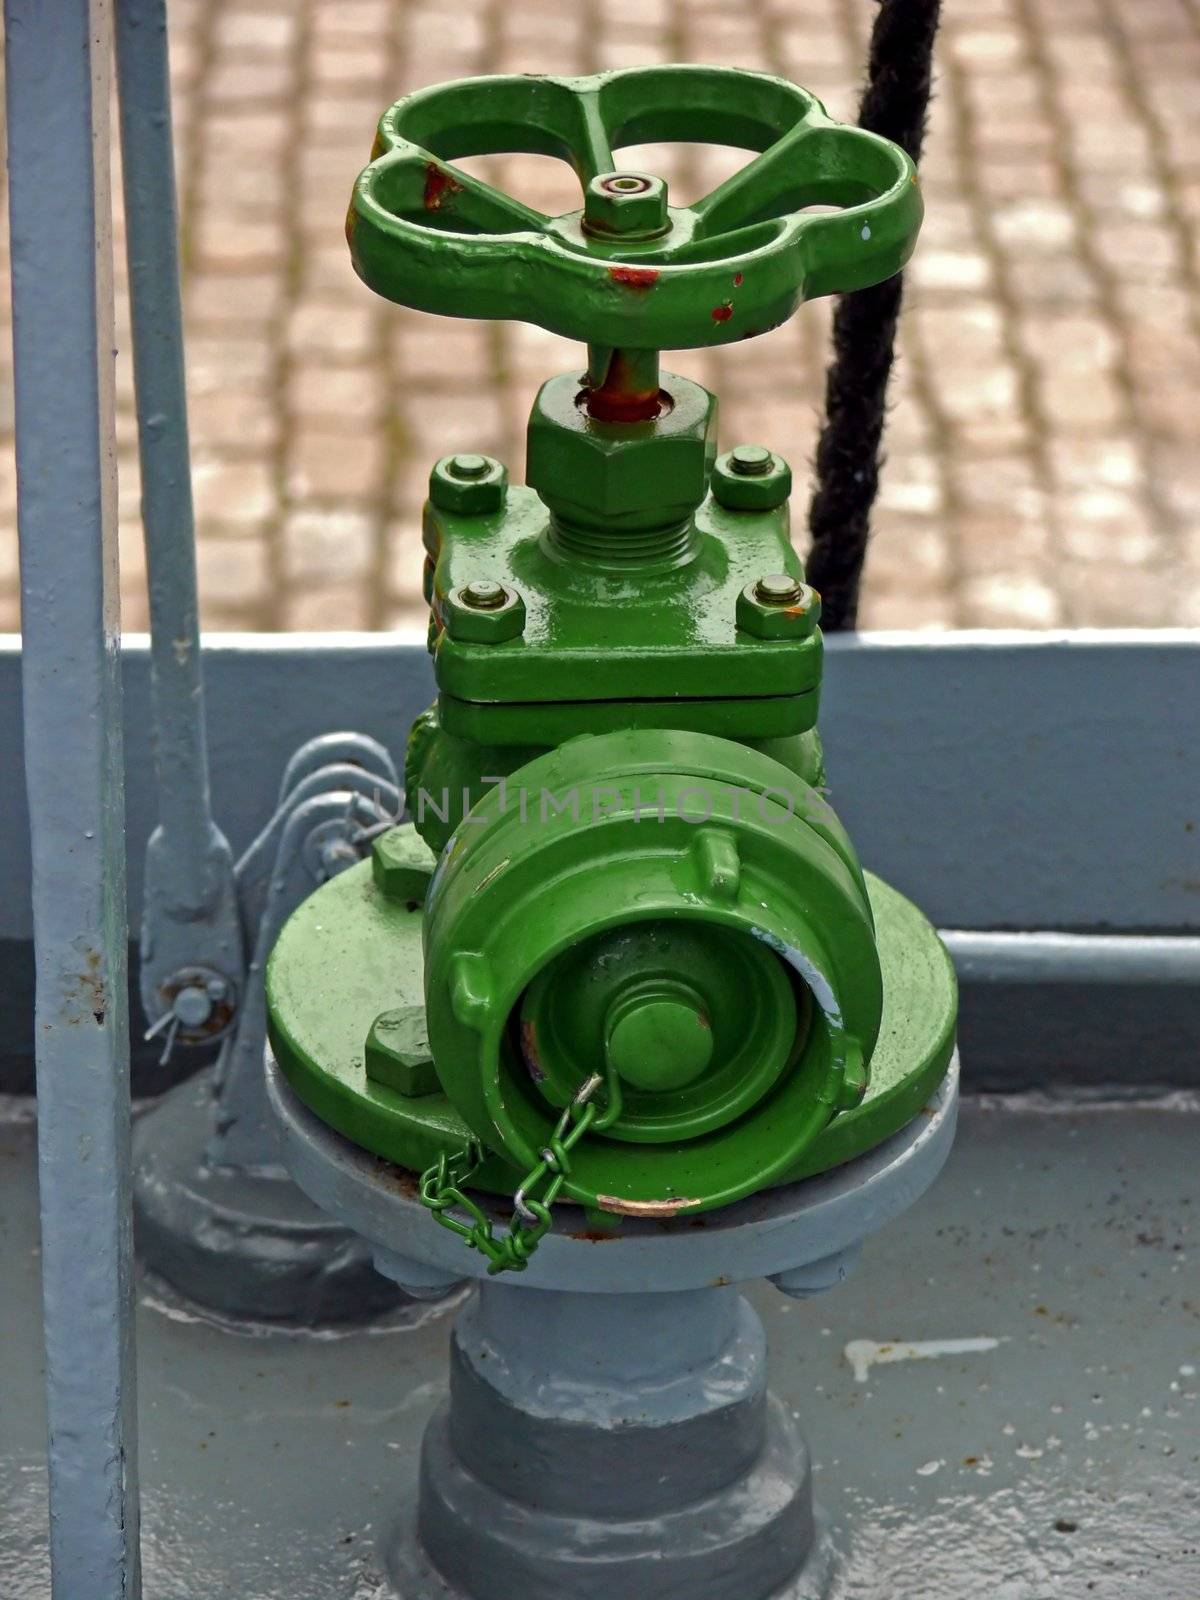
[751, 478]
[397, 1053]
[626, 205]
[778, 606]
[402, 864]
[470, 485]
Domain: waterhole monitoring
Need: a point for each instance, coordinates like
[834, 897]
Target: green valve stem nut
[778, 606]
[471, 485]
[751, 478]
[626, 205]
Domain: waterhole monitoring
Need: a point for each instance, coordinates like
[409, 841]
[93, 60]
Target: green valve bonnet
[678, 914]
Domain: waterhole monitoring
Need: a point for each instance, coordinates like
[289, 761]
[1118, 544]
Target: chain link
[443, 1186]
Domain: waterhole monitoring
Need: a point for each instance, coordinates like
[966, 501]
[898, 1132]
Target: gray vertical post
[190, 899]
[58, 73]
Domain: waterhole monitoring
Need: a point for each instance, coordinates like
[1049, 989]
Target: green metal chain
[443, 1186]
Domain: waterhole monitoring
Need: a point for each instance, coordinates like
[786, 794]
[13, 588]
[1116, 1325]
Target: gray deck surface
[1063, 1461]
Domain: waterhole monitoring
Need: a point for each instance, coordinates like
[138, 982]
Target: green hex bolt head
[483, 612]
[402, 864]
[626, 205]
[778, 606]
[397, 1053]
[471, 485]
[751, 478]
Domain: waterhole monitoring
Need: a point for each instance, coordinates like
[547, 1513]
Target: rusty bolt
[778, 606]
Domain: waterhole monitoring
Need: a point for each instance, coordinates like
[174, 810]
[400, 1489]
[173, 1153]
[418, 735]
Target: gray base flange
[246, 1245]
[609, 1434]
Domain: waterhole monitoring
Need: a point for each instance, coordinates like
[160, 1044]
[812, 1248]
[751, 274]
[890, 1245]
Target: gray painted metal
[57, 86]
[596, 1446]
[769, 1233]
[1058, 958]
[190, 914]
[609, 1430]
[218, 1218]
[1058, 1463]
[1004, 782]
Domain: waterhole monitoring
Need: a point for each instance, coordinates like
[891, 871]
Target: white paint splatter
[930, 1468]
[863, 1354]
[866, 230]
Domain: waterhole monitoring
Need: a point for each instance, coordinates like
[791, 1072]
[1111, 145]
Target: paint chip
[863, 1354]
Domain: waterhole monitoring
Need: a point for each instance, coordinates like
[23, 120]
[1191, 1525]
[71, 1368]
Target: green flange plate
[350, 953]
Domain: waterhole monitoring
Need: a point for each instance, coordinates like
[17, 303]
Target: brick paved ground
[1044, 465]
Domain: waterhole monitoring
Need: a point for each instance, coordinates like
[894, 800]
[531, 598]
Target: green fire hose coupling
[680, 914]
[654, 979]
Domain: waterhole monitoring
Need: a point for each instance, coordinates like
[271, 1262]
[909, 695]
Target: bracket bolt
[778, 589]
[469, 467]
[192, 1006]
[483, 594]
[750, 460]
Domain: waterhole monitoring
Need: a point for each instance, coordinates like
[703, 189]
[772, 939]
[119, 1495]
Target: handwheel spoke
[761, 189]
[591, 147]
[414, 184]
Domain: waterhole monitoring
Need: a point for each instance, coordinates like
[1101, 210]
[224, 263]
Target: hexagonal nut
[751, 478]
[784, 618]
[625, 205]
[397, 1053]
[482, 620]
[470, 485]
[612, 472]
[402, 864]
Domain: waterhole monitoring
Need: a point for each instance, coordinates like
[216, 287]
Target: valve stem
[622, 384]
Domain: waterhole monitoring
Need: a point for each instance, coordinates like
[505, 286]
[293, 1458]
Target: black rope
[894, 104]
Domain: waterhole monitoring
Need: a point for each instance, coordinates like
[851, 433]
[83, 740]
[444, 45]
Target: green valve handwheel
[628, 268]
[680, 915]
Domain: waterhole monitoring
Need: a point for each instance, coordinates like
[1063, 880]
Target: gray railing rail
[57, 87]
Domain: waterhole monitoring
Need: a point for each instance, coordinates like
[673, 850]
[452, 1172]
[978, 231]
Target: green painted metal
[736, 262]
[350, 953]
[597, 631]
[649, 964]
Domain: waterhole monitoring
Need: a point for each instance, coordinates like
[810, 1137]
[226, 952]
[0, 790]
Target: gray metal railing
[57, 84]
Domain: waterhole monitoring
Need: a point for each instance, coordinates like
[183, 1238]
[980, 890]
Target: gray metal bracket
[218, 1217]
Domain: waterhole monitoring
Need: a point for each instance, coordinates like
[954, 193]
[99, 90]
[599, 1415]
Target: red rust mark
[596, 1235]
[634, 277]
[619, 396]
[739, 279]
[723, 312]
[439, 185]
[529, 1050]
